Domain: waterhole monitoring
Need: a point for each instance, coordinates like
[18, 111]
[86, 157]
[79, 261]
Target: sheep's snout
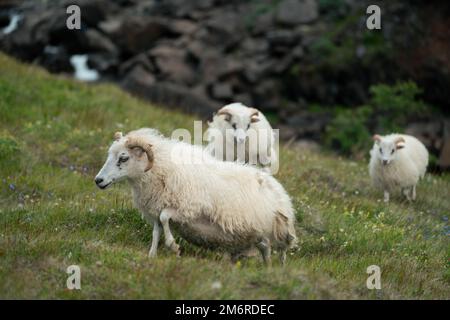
[240, 135]
[385, 162]
[100, 182]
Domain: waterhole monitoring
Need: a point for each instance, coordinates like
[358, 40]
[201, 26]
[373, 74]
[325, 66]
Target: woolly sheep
[242, 134]
[397, 161]
[209, 202]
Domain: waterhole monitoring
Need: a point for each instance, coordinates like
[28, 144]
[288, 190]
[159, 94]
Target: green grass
[54, 133]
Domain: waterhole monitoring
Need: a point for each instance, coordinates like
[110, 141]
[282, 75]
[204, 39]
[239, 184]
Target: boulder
[172, 65]
[293, 12]
[222, 91]
[141, 60]
[97, 42]
[136, 33]
[138, 80]
[181, 98]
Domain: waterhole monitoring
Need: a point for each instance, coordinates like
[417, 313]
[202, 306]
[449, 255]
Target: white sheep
[210, 202]
[242, 134]
[397, 161]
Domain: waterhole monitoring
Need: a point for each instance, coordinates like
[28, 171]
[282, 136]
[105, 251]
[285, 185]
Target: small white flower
[216, 285]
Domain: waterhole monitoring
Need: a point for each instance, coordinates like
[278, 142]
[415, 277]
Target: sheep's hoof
[175, 248]
[152, 254]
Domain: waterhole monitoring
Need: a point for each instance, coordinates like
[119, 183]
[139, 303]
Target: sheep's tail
[283, 230]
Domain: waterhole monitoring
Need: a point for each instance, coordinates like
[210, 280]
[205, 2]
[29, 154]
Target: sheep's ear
[118, 135]
[400, 143]
[254, 117]
[377, 138]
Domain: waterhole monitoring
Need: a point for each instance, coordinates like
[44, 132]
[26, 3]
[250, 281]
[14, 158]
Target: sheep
[397, 161]
[210, 202]
[242, 134]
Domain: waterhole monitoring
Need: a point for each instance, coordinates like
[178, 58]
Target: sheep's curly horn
[224, 112]
[254, 115]
[376, 138]
[146, 147]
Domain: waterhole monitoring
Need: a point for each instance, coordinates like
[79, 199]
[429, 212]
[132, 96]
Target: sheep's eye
[381, 151]
[234, 126]
[248, 126]
[392, 152]
[123, 159]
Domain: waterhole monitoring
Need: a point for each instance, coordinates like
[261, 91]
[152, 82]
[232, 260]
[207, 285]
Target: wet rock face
[277, 55]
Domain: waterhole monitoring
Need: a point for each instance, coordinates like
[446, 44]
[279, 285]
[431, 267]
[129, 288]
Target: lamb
[210, 203]
[242, 134]
[397, 161]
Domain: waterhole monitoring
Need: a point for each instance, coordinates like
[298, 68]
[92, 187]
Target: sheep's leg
[283, 256]
[155, 235]
[406, 192]
[413, 193]
[264, 248]
[165, 216]
[155, 239]
[386, 196]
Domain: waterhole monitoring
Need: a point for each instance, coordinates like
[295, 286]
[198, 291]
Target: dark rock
[4, 19]
[222, 91]
[293, 12]
[257, 69]
[171, 63]
[138, 80]
[179, 97]
[104, 62]
[430, 133]
[267, 95]
[209, 60]
[263, 23]
[287, 133]
[309, 125]
[254, 45]
[32, 35]
[55, 59]
[141, 60]
[244, 98]
[229, 67]
[110, 27]
[183, 26]
[137, 34]
[99, 43]
[93, 11]
[282, 37]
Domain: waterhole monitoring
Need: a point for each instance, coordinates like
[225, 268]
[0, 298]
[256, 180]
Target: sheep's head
[128, 157]
[238, 119]
[387, 148]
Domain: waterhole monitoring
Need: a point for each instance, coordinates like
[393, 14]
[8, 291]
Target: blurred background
[311, 66]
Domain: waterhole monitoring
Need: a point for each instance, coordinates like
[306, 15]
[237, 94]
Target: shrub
[387, 111]
[395, 105]
[348, 131]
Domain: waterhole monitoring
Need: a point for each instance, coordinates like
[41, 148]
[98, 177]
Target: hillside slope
[54, 133]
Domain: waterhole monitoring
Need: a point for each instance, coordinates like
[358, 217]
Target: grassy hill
[54, 133]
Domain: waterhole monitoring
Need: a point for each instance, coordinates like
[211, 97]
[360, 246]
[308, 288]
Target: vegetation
[53, 139]
[387, 111]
